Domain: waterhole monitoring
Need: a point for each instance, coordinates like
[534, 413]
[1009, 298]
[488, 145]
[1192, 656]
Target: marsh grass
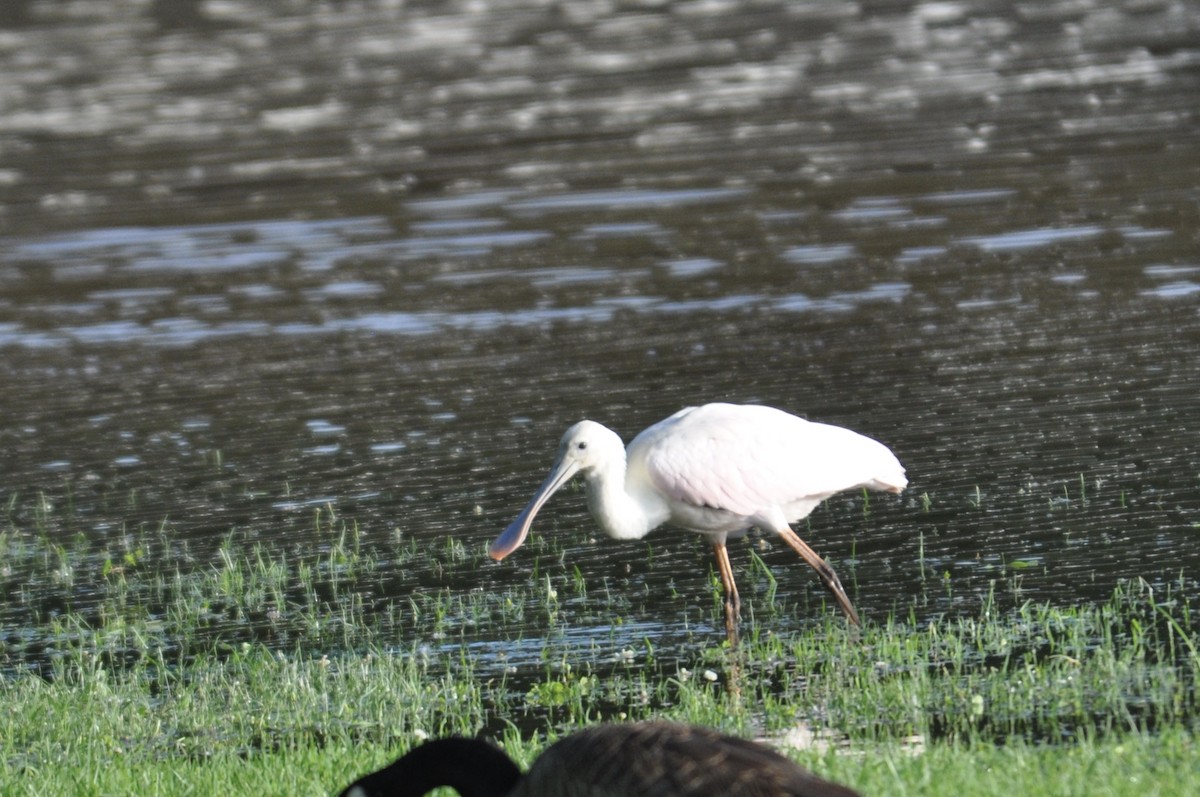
[135, 664]
[275, 721]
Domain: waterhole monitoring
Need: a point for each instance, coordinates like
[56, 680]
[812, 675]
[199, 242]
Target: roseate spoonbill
[646, 759]
[717, 469]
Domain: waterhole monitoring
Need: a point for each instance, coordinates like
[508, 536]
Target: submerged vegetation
[137, 664]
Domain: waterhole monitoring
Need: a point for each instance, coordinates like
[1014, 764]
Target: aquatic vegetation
[136, 648]
[1119, 671]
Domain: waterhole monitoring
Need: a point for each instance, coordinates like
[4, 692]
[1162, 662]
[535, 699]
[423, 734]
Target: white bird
[717, 470]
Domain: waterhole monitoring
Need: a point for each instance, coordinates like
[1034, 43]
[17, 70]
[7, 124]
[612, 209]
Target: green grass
[1162, 766]
[136, 665]
[977, 694]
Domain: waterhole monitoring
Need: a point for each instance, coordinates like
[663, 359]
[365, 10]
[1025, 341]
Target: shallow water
[378, 256]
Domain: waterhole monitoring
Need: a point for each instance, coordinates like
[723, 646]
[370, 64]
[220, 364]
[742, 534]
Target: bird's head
[588, 448]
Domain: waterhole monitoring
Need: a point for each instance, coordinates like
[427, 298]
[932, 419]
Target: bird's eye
[581, 445]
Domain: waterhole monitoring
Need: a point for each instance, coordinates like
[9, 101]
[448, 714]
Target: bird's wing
[746, 459]
[657, 759]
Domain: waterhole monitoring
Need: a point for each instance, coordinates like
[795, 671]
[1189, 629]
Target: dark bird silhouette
[646, 759]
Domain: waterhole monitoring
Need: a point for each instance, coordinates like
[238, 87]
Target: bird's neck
[471, 767]
[622, 516]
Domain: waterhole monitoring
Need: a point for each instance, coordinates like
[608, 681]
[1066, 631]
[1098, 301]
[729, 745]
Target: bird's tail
[891, 483]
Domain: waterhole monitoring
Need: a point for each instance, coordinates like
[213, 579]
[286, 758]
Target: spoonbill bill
[645, 759]
[717, 470]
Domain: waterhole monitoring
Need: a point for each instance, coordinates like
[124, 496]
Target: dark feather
[647, 759]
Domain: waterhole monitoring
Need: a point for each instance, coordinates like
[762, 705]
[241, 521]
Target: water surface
[255, 262]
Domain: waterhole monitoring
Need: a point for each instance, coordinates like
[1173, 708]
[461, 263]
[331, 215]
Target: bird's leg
[830, 579]
[733, 604]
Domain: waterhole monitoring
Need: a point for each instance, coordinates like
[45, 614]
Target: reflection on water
[269, 278]
[271, 261]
